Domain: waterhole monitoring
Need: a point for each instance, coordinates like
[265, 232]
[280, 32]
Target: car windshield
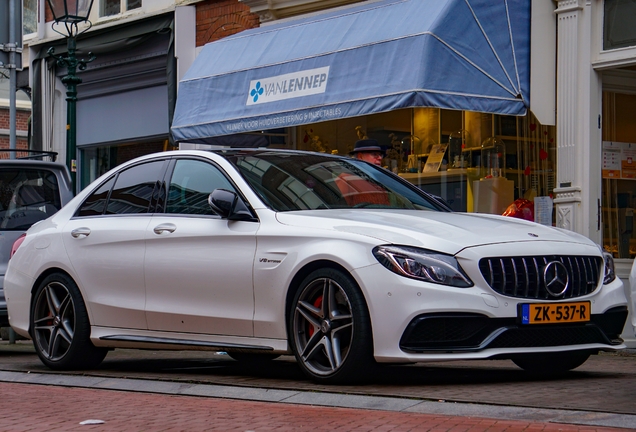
[288, 181]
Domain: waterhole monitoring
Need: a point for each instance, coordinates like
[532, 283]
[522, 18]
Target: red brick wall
[22, 118]
[217, 19]
[48, 15]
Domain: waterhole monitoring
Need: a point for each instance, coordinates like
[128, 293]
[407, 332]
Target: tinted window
[96, 202]
[133, 190]
[298, 181]
[27, 196]
[191, 183]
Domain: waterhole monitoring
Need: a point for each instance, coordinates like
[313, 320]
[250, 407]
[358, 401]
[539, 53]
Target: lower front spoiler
[469, 332]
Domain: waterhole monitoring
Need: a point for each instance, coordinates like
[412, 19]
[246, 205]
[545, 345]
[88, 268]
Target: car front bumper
[417, 321]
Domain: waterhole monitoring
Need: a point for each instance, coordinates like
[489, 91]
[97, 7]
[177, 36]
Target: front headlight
[609, 274]
[422, 264]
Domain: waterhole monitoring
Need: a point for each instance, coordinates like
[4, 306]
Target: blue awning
[381, 56]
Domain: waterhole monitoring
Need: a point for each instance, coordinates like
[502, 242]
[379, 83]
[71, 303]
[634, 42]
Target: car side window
[134, 187]
[191, 183]
[130, 192]
[96, 202]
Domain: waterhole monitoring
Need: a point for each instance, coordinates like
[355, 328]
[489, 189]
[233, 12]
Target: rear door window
[132, 191]
[26, 197]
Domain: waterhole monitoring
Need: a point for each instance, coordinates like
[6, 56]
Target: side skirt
[184, 343]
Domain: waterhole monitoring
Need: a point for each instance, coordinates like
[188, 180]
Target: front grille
[456, 332]
[523, 277]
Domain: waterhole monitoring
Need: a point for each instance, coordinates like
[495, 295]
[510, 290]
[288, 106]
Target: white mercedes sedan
[262, 253]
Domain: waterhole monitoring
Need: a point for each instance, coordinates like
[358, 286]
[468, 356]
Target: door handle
[80, 232]
[160, 229]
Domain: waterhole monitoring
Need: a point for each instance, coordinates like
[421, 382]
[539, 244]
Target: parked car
[30, 190]
[272, 252]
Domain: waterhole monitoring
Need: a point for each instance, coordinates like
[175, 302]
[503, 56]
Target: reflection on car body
[261, 253]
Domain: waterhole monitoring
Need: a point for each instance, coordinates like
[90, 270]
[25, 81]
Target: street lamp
[70, 13]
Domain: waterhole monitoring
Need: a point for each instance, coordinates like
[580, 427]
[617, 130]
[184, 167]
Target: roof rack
[31, 154]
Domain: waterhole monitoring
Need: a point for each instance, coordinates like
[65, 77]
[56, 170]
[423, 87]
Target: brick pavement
[475, 395]
[36, 407]
[606, 383]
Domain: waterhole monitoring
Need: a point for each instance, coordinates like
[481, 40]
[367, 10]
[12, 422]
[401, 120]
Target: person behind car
[358, 190]
[368, 150]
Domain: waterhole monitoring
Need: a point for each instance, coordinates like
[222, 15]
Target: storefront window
[477, 162]
[618, 24]
[619, 174]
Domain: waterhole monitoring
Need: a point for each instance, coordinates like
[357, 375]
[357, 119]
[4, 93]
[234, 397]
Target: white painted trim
[543, 25]
[18, 133]
[184, 38]
[19, 104]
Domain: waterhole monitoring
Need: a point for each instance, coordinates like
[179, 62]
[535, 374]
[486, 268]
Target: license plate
[554, 313]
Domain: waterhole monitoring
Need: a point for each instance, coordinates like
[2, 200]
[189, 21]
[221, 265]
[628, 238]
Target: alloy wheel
[323, 326]
[54, 321]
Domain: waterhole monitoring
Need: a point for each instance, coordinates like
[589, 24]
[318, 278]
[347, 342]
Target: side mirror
[230, 206]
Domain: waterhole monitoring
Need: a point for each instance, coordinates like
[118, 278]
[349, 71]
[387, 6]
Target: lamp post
[70, 13]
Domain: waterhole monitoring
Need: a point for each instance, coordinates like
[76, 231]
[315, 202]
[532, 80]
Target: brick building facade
[217, 19]
[22, 120]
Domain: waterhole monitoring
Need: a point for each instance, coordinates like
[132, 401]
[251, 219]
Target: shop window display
[619, 174]
[451, 153]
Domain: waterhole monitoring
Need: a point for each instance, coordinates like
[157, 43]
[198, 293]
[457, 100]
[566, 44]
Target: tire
[551, 363]
[60, 328]
[330, 329]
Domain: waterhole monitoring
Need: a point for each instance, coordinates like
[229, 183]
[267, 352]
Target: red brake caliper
[318, 304]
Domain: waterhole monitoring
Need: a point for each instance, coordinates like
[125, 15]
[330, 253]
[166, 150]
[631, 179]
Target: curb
[327, 399]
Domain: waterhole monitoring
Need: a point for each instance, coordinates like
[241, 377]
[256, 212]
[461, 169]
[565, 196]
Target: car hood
[444, 232]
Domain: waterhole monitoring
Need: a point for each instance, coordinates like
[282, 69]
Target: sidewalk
[55, 402]
[37, 408]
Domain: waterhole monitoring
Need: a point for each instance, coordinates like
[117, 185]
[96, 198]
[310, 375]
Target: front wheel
[330, 328]
[60, 328]
[551, 363]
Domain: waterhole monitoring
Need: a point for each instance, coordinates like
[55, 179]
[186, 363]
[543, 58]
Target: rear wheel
[330, 329]
[60, 328]
[551, 363]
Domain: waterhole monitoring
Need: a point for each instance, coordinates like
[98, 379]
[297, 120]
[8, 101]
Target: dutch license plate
[553, 313]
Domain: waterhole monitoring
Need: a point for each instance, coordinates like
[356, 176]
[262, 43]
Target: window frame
[157, 200]
[123, 8]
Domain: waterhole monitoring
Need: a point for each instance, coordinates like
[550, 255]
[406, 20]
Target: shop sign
[287, 86]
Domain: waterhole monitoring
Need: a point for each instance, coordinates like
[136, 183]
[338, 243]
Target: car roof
[27, 163]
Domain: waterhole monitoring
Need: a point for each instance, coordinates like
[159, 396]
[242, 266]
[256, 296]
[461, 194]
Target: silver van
[31, 190]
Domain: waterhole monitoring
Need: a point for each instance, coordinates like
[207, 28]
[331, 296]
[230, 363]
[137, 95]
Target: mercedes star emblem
[556, 279]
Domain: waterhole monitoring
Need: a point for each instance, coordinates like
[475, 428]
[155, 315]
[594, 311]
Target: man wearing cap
[368, 150]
